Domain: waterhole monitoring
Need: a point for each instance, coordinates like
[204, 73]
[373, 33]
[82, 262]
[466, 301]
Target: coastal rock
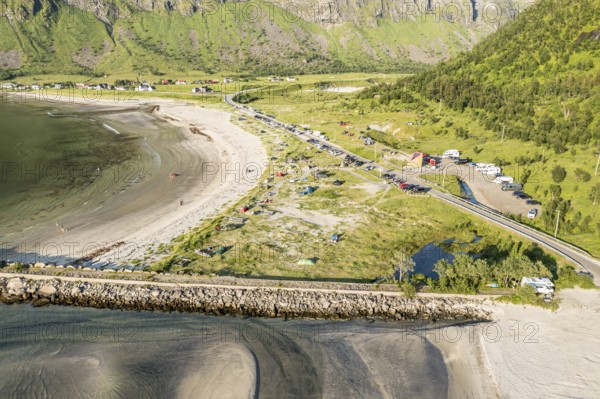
[47, 291]
[16, 287]
[261, 302]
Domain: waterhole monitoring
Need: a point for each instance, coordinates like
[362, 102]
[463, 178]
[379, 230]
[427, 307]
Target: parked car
[512, 187]
[532, 202]
[532, 213]
[462, 161]
[337, 182]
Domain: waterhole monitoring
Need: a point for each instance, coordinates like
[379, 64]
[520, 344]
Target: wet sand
[80, 353]
[143, 205]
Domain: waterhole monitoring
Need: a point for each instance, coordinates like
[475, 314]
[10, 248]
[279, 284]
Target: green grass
[372, 224]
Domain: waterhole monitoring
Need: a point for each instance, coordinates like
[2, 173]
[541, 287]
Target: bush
[582, 175]
[409, 289]
[568, 278]
[19, 267]
[526, 296]
[558, 174]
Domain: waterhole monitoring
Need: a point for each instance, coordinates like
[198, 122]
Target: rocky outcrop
[247, 301]
[10, 59]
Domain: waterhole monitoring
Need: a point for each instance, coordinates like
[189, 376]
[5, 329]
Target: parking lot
[486, 191]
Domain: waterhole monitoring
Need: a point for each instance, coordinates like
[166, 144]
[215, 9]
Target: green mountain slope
[537, 78]
[527, 96]
[105, 36]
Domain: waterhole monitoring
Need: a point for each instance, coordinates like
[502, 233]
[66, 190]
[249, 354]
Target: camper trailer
[542, 285]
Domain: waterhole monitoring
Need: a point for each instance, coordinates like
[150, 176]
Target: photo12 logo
[491, 332]
[61, 173]
[66, 252]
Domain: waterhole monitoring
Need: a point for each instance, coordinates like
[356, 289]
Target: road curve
[576, 255]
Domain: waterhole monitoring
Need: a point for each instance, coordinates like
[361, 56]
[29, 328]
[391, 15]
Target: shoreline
[150, 213]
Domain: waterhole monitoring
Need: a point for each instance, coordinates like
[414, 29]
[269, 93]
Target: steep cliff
[158, 36]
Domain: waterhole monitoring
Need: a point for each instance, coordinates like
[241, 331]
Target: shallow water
[78, 353]
[54, 159]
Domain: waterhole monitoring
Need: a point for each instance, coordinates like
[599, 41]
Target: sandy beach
[527, 352]
[215, 163]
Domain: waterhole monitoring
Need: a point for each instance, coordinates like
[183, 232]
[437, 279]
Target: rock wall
[259, 302]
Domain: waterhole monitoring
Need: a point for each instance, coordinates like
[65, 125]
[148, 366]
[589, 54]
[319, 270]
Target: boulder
[47, 291]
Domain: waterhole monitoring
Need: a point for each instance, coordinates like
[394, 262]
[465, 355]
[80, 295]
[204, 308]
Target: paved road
[578, 256]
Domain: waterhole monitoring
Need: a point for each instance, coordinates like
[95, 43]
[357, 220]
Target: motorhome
[492, 171]
[504, 179]
[483, 166]
[542, 285]
[451, 154]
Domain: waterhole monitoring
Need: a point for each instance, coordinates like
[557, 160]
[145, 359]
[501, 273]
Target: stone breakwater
[246, 301]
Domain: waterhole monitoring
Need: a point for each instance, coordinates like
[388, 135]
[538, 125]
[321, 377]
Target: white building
[145, 87]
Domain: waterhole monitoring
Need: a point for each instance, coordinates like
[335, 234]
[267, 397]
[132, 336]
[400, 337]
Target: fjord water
[67, 352]
[53, 159]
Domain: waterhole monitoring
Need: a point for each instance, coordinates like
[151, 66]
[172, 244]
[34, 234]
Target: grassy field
[433, 128]
[374, 221]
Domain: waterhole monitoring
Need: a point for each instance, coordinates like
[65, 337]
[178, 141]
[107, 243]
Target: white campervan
[542, 285]
[482, 166]
[492, 170]
[451, 154]
[504, 179]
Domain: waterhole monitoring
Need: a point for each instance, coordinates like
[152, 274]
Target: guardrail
[525, 226]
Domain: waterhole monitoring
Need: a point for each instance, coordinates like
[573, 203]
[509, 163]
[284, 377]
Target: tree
[555, 191]
[464, 274]
[402, 263]
[558, 174]
[515, 267]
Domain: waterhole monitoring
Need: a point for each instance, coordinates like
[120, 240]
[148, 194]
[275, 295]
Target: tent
[416, 161]
[334, 238]
[309, 190]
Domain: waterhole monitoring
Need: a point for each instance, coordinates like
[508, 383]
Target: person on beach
[180, 202]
